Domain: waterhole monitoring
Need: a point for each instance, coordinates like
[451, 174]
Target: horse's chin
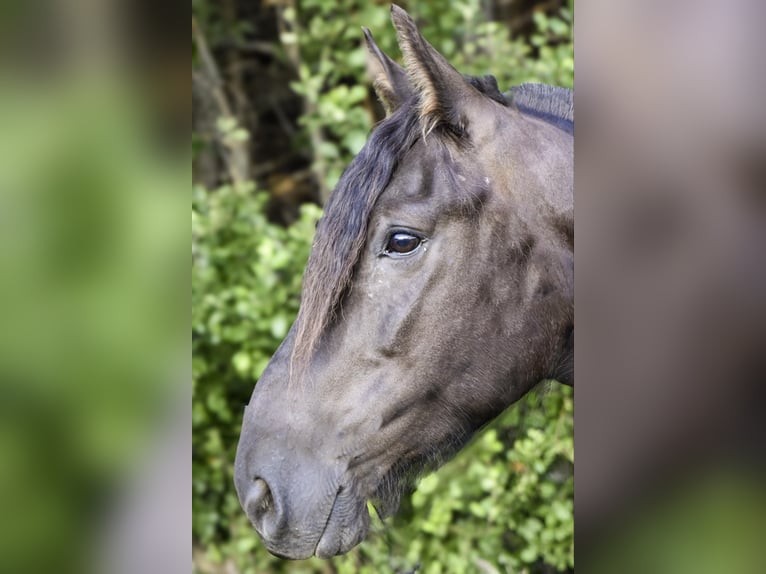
[346, 526]
[349, 519]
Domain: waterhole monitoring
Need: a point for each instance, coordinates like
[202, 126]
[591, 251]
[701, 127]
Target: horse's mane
[342, 232]
[552, 104]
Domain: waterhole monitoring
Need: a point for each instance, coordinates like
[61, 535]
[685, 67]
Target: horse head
[438, 291]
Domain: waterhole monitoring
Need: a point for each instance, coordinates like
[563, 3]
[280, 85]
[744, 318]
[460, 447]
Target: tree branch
[236, 154]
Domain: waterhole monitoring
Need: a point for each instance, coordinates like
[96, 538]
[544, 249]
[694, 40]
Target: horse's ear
[444, 94]
[388, 78]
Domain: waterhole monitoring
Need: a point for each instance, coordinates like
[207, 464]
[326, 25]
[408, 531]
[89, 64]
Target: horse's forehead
[428, 168]
[414, 176]
[436, 158]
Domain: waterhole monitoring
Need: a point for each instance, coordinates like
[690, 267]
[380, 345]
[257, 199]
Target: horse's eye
[402, 243]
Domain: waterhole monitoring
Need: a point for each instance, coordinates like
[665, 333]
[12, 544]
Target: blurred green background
[281, 103]
[93, 239]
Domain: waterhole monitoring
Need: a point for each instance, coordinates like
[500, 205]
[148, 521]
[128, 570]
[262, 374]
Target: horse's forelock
[342, 232]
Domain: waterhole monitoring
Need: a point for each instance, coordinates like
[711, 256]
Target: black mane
[552, 104]
[487, 85]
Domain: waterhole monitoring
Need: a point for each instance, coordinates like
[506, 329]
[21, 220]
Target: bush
[246, 277]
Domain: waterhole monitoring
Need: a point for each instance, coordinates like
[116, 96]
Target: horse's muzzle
[306, 531]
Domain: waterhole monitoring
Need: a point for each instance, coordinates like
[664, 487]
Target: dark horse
[439, 290]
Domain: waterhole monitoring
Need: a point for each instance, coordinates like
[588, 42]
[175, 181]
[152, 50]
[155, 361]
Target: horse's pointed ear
[443, 92]
[388, 78]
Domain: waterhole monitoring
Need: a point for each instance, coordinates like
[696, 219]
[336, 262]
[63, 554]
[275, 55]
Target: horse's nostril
[260, 495]
[259, 502]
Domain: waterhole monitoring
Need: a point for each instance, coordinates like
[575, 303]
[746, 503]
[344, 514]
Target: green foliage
[331, 72]
[459, 30]
[246, 276]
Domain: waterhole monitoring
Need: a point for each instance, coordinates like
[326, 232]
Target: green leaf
[226, 124]
[242, 363]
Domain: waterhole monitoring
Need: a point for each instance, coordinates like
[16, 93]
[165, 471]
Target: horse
[438, 291]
